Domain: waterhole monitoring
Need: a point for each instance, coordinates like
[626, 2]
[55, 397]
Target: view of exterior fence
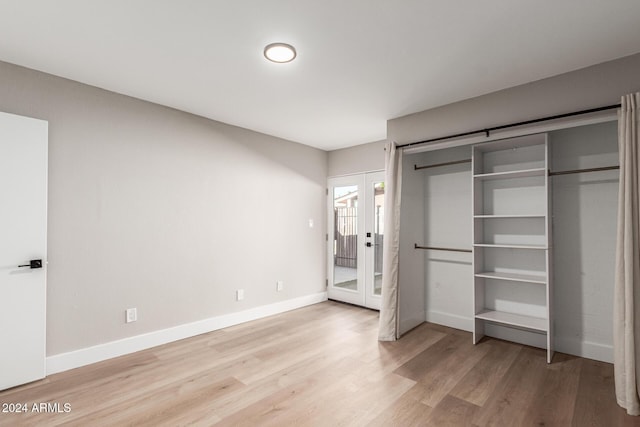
[346, 238]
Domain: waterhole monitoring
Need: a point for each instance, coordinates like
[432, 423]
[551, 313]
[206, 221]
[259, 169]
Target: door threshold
[353, 305]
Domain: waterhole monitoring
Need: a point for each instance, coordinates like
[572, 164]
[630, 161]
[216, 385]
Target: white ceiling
[360, 62]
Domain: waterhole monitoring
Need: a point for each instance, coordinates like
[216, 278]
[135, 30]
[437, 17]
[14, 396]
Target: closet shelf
[511, 319]
[527, 278]
[511, 174]
[494, 245]
[512, 234]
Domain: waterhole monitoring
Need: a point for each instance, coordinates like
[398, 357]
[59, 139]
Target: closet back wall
[154, 208]
[584, 239]
[447, 216]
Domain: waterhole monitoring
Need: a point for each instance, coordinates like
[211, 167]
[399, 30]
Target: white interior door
[356, 230]
[23, 246]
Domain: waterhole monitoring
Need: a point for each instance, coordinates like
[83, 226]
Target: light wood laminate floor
[323, 366]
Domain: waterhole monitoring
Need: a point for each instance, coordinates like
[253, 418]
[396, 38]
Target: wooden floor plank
[554, 403]
[406, 411]
[382, 358]
[322, 365]
[481, 381]
[335, 381]
[522, 382]
[595, 400]
[346, 402]
[453, 412]
[429, 359]
[165, 404]
[334, 358]
[437, 383]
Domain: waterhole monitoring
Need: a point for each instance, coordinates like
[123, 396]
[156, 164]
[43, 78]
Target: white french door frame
[372, 300]
[364, 294]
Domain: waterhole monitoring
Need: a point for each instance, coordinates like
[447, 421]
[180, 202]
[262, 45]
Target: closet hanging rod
[606, 168]
[416, 167]
[434, 248]
[487, 131]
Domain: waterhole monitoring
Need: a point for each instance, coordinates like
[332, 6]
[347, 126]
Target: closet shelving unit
[511, 239]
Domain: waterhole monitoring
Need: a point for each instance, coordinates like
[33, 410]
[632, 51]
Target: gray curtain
[626, 311]
[388, 329]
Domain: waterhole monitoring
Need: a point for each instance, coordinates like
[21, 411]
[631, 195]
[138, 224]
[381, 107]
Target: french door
[355, 237]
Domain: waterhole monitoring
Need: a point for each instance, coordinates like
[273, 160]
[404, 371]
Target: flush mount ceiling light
[280, 52]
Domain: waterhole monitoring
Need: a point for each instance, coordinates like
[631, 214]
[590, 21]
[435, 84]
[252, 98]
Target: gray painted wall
[595, 86]
[361, 158]
[153, 208]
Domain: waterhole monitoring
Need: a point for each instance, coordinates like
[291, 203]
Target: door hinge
[327, 191]
[327, 237]
[326, 282]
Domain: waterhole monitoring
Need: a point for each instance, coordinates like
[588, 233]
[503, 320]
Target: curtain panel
[626, 310]
[388, 329]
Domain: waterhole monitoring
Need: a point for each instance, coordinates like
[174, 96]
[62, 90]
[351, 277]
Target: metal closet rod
[550, 173]
[487, 131]
[605, 168]
[416, 246]
[456, 162]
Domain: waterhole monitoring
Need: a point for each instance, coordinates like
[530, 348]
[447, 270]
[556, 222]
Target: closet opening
[518, 245]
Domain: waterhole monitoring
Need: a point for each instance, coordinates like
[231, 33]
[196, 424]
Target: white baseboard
[75, 359]
[451, 320]
[586, 349]
[589, 350]
[520, 336]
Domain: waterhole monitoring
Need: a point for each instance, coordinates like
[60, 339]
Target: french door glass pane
[345, 237]
[378, 225]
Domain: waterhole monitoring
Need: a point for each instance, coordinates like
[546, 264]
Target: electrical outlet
[131, 315]
[279, 285]
[239, 294]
